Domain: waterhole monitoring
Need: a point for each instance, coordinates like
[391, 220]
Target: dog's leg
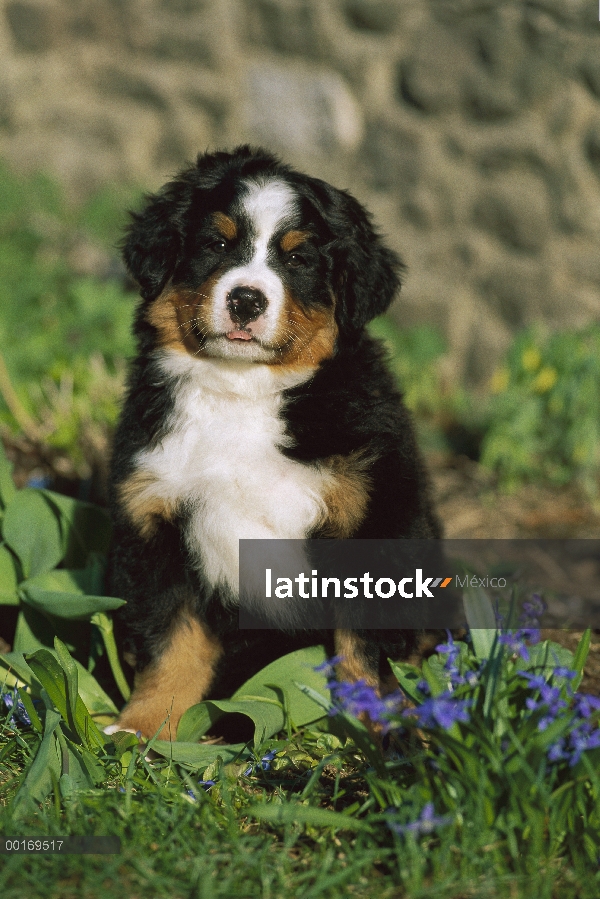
[176, 679]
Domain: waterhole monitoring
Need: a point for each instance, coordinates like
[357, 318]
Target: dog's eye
[219, 246]
[295, 260]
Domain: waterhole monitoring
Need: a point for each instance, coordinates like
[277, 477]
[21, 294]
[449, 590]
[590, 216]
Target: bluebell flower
[359, 698]
[516, 641]
[12, 701]
[585, 705]
[426, 823]
[264, 764]
[533, 610]
[205, 784]
[440, 711]
[328, 666]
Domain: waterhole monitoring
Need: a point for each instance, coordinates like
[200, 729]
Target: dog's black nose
[245, 304]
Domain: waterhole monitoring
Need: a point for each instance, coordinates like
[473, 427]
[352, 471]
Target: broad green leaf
[481, 620]
[31, 626]
[15, 670]
[70, 580]
[434, 677]
[8, 576]
[38, 782]
[294, 813]
[285, 672]
[32, 531]
[84, 771]
[581, 655]
[408, 676]
[54, 680]
[36, 629]
[96, 701]
[267, 717]
[70, 669]
[197, 721]
[31, 710]
[73, 606]
[85, 528]
[199, 755]
[7, 485]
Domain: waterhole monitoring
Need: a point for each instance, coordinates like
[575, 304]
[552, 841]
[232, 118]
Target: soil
[470, 505]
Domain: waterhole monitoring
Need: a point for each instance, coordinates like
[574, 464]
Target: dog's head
[240, 257]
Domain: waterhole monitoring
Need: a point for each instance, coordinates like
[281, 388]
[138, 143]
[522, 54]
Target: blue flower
[440, 711]
[533, 610]
[427, 822]
[264, 764]
[359, 698]
[12, 701]
[205, 784]
[328, 666]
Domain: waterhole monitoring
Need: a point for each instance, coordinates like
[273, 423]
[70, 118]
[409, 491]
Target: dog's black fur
[350, 404]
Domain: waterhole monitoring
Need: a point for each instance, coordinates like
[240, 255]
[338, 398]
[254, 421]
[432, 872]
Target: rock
[515, 209]
[301, 111]
[31, 25]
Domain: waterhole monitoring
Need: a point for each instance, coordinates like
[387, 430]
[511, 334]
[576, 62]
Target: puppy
[257, 407]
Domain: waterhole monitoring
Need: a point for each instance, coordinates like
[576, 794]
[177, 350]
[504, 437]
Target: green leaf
[286, 672]
[85, 528]
[17, 669]
[30, 709]
[54, 680]
[264, 697]
[433, 675]
[481, 620]
[73, 606]
[199, 755]
[581, 655]
[7, 485]
[70, 669]
[94, 698]
[31, 626]
[70, 580]
[408, 676]
[293, 813]
[8, 577]
[32, 531]
[267, 718]
[38, 782]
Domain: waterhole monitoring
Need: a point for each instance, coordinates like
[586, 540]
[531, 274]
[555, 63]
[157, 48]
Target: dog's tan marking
[177, 315]
[225, 225]
[306, 337]
[140, 497]
[178, 679]
[293, 239]
[354, 665]
[347, 496]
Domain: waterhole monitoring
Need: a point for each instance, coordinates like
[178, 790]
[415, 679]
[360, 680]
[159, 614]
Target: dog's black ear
[154, 238]
[366, 273]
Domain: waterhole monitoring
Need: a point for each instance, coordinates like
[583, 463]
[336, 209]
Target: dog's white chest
[222, 459]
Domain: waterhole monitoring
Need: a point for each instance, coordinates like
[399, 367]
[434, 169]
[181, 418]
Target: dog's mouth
[239, 334]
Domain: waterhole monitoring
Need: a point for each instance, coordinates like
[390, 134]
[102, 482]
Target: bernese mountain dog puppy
[258, 406]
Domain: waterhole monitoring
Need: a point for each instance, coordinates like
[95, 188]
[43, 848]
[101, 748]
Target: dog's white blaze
[221, 457]
[267, 205]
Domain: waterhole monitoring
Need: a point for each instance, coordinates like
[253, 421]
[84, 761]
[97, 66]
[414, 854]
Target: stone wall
[470, 128]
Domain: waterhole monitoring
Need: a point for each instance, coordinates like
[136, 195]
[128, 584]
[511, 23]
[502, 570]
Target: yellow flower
[545, 380]
[499, 380]
[531, 359]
